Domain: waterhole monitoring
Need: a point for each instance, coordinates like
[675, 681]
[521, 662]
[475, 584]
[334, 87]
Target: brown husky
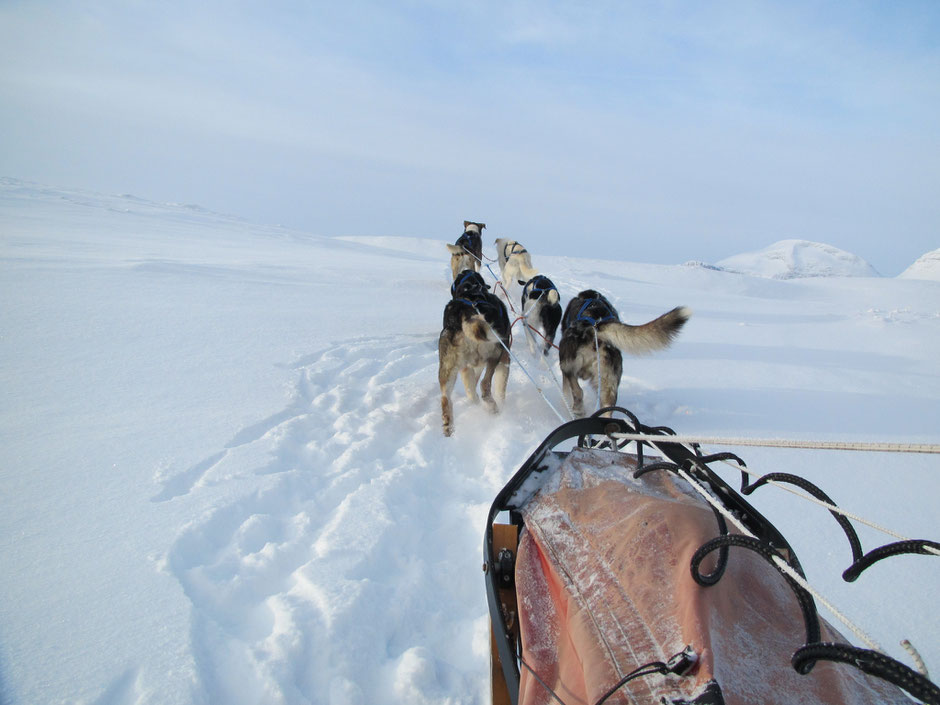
[589, 313]
[475, 338]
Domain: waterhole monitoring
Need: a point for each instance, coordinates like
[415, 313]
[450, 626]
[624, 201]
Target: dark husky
[542, 310]
[590, 312]
[467, 252]
[476, 329]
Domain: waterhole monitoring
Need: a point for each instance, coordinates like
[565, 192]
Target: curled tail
[646, 338]
[552, 296]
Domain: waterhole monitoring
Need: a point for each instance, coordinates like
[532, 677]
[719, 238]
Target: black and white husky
[474, 341]
[589, 313]
[467, 252]
[541, 307]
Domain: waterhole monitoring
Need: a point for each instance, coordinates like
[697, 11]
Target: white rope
[516, 359]
[686, 440]
[932, 448]
[831, 507]
[522, 367]
[783, 565]
[916, 658]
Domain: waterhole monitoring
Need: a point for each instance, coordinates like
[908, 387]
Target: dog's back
[515, 262]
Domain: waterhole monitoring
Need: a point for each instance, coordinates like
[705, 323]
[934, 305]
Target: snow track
[333, 530]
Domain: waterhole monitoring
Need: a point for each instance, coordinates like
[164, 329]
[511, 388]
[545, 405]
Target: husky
[515, 264]
[589, 313]
[474, 340]
[541, 307]
[467, 252]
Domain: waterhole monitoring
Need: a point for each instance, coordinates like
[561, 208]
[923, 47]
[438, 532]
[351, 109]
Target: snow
[224, 478]
[796, 259]
[926, 267]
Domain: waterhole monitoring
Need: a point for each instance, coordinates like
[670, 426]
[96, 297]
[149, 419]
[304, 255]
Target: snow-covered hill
[797, 259]
[224, 479]
[926, 267]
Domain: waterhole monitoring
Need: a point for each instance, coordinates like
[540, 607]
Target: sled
[614, 581]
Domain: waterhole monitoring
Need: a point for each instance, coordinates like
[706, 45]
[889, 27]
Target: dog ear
[465, 224]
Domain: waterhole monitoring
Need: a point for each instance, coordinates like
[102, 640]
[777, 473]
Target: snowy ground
[224, 479]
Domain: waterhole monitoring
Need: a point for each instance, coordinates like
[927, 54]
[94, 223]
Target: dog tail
[646, 338]
[552, 297]
[476, 328]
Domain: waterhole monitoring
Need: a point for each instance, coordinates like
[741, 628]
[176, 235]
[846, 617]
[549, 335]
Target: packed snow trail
[367, 516]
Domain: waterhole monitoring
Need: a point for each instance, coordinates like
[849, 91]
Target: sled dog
[467, 252]
[476, 327]
[542, 310]
[590, 312]
[515, 264]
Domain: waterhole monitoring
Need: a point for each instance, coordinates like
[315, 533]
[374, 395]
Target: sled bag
[604, 586]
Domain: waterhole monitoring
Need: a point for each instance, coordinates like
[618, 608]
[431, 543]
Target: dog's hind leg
[573, 391]
[470, 377]
[530, 337]
[608, 391]
[496, 371]
[500, 378]
[447, 376]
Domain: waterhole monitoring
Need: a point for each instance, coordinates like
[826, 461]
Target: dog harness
[466, 242]
[467, 274]
[591, 321]
[513, 250]
[484, 306]
[536, 286]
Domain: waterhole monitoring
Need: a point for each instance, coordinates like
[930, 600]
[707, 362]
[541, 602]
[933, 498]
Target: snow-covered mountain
[797, 259]
[926, 267]
[224, 477]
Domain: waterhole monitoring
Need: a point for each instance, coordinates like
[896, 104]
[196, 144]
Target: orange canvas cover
[604, 586]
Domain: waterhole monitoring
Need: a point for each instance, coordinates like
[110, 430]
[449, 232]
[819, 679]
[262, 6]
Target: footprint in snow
[356, 543]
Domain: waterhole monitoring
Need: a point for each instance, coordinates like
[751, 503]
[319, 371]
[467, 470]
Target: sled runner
[627, 586]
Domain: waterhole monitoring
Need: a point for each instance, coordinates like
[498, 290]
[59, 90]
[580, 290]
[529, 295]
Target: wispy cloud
[696, 126]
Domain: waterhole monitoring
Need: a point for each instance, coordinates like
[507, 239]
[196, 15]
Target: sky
[657, 132]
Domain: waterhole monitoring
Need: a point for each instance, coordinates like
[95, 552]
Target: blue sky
[651, 131]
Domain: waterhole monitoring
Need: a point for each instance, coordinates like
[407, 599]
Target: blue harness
[513, 251]
[499, 312]
[468, 274]
[466, 241]
[536, 286]
[594, 322]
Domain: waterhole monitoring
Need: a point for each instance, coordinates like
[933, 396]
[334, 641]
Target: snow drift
[224, 478]
[796, 259]
[926, 267]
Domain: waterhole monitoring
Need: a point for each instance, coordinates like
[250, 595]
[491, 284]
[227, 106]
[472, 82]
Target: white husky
[515, 264]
